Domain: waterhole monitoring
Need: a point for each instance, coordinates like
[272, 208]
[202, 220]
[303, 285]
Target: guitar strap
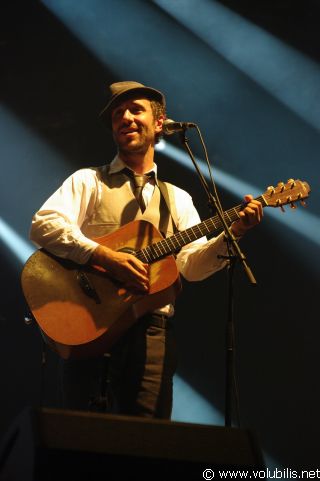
[167, 205]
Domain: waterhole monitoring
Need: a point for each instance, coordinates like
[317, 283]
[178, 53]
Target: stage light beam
[285, 73]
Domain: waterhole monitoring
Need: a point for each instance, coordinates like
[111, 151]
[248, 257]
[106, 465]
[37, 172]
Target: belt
[158, 320]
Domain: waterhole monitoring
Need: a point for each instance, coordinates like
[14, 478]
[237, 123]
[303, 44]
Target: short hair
[158, 109]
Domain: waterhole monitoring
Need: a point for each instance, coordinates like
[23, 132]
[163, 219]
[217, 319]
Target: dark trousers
[136, 379]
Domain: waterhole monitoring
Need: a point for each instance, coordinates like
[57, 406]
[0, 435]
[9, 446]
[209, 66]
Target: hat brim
[145, 92]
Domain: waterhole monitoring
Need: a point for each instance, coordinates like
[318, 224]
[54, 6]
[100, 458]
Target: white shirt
[57, 225]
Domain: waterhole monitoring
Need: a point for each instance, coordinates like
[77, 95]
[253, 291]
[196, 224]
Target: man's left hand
[250, 216]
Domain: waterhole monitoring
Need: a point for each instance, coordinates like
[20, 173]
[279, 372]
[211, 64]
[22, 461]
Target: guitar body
[80, 310]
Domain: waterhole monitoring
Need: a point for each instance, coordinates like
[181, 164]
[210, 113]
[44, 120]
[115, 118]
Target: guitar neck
[173, 244]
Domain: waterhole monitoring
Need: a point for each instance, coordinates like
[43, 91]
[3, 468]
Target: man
[94, 202]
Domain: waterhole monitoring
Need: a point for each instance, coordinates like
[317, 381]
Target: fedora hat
[122, 90]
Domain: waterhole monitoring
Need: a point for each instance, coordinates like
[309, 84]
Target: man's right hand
[123, 267]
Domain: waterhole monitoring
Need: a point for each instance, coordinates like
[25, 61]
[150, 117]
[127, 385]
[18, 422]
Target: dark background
[52, 88]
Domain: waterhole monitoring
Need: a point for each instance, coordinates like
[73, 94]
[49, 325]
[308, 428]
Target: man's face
[134, 126]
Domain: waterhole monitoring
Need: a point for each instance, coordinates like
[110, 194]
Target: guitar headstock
[289, 193]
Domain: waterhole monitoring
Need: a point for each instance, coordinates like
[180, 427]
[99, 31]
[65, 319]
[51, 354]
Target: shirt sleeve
[56, 226]
[199, 259]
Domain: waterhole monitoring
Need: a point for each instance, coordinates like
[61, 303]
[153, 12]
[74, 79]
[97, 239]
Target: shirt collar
[117, 165]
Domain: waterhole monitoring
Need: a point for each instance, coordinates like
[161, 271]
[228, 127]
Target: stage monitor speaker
[51, 444]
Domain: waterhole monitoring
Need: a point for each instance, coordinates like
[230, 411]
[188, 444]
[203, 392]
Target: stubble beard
[134, 147]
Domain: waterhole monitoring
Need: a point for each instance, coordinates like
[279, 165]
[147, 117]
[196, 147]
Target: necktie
[139, 181]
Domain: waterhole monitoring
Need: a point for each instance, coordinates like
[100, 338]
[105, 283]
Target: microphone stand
[235, 254]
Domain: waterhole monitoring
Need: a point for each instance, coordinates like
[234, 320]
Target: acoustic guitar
[82, 311]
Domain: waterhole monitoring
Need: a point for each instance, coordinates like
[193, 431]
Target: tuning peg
[293, 206]
[292, 183]
[278, 204]
[271, 189]
[281, 185]
[303, 203]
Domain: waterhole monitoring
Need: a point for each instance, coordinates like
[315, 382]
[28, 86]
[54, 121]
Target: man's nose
[127, 115]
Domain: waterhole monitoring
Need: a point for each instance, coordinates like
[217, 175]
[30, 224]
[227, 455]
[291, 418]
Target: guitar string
[162, 248]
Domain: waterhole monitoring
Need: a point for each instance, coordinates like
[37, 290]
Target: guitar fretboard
[174, 243]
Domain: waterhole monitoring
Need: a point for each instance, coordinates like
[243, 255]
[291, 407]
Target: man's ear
[159, 123]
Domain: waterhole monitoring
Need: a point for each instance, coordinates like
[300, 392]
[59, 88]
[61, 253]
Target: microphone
[169, 126]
